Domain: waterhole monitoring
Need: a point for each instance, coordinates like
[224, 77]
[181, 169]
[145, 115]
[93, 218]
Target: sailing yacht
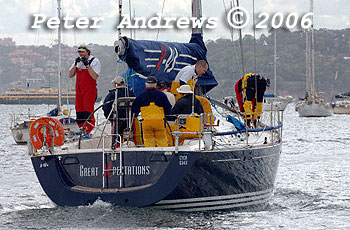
[273, 100]
[313, 105]
[218, 167]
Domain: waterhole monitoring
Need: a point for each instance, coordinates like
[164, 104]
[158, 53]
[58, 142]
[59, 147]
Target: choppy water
[312, 188]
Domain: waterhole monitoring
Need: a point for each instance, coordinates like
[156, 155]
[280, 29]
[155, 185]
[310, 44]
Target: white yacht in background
[20, 125]
[313, 105]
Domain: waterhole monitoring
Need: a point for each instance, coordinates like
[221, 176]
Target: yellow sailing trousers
[248, 109]
[154, 133]
[258, 110]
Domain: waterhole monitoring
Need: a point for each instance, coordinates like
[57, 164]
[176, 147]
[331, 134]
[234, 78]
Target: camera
[79, 62]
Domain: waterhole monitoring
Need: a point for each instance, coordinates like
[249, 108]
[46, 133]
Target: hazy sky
[16, 18]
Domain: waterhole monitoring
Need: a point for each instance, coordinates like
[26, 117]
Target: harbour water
[312, 187]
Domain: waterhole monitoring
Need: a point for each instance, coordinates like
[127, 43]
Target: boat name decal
[88, 171]
[132, 170]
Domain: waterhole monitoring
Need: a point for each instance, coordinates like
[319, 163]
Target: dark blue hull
[187, 181]
[226, 180]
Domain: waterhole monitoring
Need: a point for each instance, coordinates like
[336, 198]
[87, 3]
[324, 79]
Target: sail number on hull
[183, 160]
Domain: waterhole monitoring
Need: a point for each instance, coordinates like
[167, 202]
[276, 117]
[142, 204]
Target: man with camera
[87, 69]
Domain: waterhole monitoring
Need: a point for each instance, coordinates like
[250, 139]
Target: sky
[17, 18]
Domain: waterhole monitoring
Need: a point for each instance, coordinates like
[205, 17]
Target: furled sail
[164, 60]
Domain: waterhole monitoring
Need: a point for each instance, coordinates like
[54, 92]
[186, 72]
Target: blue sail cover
[164, 60]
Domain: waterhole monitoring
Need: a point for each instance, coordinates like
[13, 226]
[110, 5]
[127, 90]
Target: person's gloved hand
[78, 59]
[85, 61]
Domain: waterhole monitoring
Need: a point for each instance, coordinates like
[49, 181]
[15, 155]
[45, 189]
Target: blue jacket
[111, 96]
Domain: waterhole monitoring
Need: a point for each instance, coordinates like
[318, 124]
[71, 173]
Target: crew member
[188, 75]
[122, 91]
[239, 95]
[153, 105]
[161, 86]
[87, 69]
[254, 86]
[184, 104]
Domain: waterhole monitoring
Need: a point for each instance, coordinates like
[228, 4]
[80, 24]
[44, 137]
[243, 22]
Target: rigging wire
[135, 28]
[65, 85]
[161, 14]
[74, 29]
[254, 31]
[130, 17]
[36, 44]
[235, 58]
[240, 42]
[256, 76]
[120, 7]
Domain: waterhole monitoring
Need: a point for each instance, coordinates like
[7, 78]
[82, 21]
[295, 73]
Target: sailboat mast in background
[313, 105]
[313, 91]
[59, 103]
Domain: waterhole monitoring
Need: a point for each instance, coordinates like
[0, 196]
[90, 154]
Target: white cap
[118, 80]
[83, 48]
[184, 89]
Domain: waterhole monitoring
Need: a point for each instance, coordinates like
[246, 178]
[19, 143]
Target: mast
[197, 13]
[59, 104]
[312, 51]
[120, 17]
[307, 86]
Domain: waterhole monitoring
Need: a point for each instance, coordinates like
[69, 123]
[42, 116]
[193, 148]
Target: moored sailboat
[20, 125]
[313, 105]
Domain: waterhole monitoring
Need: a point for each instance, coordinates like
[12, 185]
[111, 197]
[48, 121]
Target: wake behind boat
[220, 163]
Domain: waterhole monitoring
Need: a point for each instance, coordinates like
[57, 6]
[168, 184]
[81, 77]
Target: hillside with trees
[332, 53]
[19, 65]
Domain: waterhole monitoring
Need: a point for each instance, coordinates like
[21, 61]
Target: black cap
[161, 84]
[151, 80]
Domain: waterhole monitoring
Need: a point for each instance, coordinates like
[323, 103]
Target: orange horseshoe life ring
[37, 132]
